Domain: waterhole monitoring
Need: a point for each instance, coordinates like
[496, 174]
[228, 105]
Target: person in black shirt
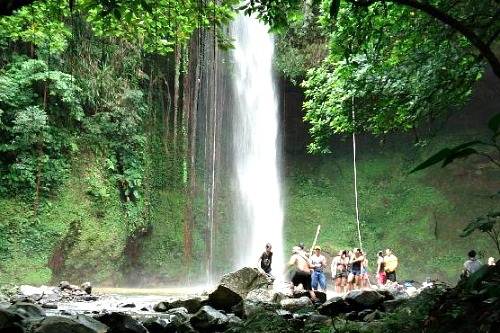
[266, 259]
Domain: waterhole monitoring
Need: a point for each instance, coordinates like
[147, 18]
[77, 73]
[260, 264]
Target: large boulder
[27, 310]
[78, 324]
[86, 287]
[159, 325]
[364, 299]
[207, 319]
[235, 286]
[295, 304]
[334, 306]
[119, 322]
[10, 321]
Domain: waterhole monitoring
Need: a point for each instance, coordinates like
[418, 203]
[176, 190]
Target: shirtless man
[302, 271]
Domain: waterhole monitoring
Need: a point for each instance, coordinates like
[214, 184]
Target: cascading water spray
[259, 212]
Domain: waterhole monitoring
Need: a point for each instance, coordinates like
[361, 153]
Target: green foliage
[380, 67]
[36, 105]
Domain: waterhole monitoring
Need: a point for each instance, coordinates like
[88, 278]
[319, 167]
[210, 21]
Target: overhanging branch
[468, 33]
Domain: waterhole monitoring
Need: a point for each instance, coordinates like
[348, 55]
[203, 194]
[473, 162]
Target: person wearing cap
[302, 271]
[318, 263]
[266, 259]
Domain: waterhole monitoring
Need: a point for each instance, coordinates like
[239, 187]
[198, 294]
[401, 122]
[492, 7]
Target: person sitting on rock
[390, 263]
[302, 271]
[472, 265]
[318, 263]
[266, 259]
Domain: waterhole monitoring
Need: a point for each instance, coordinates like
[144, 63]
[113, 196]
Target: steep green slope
[419, 215]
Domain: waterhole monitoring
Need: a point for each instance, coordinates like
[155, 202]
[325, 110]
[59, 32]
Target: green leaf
[434, 159]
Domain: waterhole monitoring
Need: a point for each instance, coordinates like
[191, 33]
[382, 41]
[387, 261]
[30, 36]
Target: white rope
[355, 173]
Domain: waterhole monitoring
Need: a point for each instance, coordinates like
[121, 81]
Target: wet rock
[362, 314]
[49, 306]
[119, 322]
[250, 307]
[319, 294]
[90, 298]
[86, 287]
[374, 315]
[284, 314]
[353, 315]
[393, 304]
[319, 319]
[27, 310]
[179, 314]
[77, 324]
[10, 321]
[235, 286]
[192, 304]
[295, 304]
[208, 319]
[364, 299]
[239, 309]
[333, 307]
[126, 305]
[158, 325]
[64, 285]
[233, 320]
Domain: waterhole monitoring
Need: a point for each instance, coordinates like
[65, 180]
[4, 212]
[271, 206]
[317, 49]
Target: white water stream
[259, 213]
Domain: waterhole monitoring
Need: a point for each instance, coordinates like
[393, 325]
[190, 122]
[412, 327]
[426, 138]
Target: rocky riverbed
[244, 301]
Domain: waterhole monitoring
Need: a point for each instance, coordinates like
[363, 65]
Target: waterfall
[256, 150]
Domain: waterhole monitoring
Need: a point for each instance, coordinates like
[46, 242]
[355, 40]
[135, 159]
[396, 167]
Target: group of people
[349, 269]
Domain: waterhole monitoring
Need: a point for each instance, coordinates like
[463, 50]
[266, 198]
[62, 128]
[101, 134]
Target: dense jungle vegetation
[97, 174]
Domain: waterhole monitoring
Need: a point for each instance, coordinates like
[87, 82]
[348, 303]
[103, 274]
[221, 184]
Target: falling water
[259, 212]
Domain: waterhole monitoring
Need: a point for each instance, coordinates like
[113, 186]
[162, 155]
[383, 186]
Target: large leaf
[434, 159]
[448, 155]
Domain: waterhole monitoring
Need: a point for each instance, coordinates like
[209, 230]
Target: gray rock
[126, 305]
[179, 315]
[319, 319]
[372, 316]
[159, 325]
[10, 321]
[233, 320]
[64, 285]
[27, 310]
[119, 322]
[78, 324]
[319, 294]
[295, 304]
[393, 304]
[252, 307]
[192, 304]
[86, 287]
[235, 286]
[333, 307]
[362, 314]
[284, 314]
[207, 319]
[364, 299]
[353, 315]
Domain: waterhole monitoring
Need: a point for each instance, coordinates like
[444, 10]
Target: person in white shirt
[318, 263]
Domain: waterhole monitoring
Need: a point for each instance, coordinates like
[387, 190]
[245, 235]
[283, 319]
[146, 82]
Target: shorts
[302, 278]
[341, 274]
[356, 272]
